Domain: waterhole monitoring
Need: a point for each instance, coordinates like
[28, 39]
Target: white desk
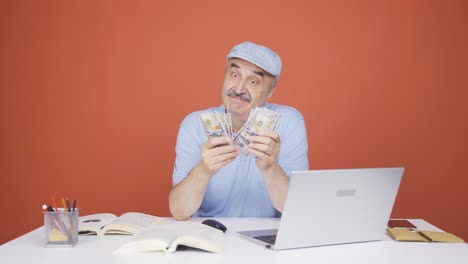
[91, 249]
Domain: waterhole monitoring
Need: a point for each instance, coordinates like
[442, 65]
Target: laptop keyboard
[269, 239]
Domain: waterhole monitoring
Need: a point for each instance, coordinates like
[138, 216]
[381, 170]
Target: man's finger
[218, 141]
[271, 134]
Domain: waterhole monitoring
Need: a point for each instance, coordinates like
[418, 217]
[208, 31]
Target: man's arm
[277, 183]
[266, 146]
[186, 197]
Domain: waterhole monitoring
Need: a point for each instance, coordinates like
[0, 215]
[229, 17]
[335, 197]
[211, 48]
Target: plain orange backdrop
[93, 92]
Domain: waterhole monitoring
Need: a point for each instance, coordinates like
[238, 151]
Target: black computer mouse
[215, 224]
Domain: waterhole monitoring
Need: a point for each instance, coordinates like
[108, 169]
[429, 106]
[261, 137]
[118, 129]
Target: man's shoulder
[286, 112]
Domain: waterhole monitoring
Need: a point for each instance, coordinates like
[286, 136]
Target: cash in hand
[218, 124]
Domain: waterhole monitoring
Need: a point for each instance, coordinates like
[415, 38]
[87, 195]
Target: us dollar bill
[260, 119]
[211, 124]
[216, 124]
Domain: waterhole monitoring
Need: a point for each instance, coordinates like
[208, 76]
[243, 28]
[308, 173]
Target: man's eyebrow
[233, 65]
[260, 73]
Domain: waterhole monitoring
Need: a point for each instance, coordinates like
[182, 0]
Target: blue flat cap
[259, 55]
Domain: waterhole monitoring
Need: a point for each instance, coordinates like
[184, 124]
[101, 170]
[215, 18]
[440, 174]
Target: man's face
[245, 87]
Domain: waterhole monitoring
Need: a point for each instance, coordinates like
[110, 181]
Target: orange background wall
[93, 92]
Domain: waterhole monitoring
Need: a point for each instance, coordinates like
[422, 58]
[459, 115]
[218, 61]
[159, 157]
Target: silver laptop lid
[326, 207]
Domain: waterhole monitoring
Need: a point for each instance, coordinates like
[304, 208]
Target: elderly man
[210, 178]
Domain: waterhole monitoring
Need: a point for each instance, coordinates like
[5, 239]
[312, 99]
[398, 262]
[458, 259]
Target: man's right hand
[217, 152]
[186, 197]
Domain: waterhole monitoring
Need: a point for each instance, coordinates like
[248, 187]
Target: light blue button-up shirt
[238, 189]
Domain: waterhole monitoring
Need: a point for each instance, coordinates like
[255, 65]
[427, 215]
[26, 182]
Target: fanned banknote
[217, 124]
[260, 119]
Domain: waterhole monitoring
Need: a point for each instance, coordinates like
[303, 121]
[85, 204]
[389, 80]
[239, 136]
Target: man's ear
[272, 87]
[270, 94]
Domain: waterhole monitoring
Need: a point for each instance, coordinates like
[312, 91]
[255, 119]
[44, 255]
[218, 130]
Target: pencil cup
[61, 228]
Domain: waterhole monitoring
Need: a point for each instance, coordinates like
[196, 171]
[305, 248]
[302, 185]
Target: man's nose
[241, 86]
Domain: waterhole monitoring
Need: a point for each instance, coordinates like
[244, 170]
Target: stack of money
[219, 124]
[260, 119]
[216, 124]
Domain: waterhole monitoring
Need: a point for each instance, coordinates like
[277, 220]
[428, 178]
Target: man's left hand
[266, 146]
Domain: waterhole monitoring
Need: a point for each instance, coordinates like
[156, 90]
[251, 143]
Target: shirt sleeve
[294, 147]
[188, 147]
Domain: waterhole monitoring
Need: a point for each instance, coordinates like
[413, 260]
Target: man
[211, 177]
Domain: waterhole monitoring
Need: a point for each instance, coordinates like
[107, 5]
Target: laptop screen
[326, 207]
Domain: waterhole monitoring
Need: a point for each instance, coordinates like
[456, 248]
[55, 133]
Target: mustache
[243, 96]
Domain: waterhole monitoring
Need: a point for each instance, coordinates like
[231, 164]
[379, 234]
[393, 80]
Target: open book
[110, 224]
[167, 236]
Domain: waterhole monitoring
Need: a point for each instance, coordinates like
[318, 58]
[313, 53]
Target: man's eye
[253, 82]
[234, 75]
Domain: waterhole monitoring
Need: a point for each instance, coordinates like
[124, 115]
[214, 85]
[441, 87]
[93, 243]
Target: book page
[92, 224]
[155, 238]
[197, 235]
[167, 235]
[130, 223]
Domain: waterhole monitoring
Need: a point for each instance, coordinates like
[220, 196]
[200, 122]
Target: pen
[68, 205]
[74, 205]
[62, 225]
[50, 209]
[59, 223]
[51, 220]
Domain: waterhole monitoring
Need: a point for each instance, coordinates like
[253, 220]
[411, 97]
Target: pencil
[65, 211]
[52, 199]
[60, 224]
[63, 204]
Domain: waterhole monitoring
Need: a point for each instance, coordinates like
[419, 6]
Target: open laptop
[329, 207]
